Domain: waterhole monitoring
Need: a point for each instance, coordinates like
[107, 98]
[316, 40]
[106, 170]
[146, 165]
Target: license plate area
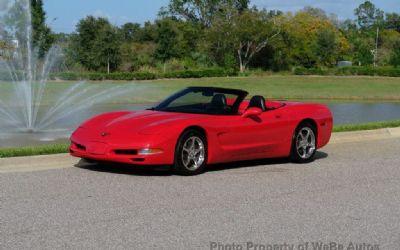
[97, 148]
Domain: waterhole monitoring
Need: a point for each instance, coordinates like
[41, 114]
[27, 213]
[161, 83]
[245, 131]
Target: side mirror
[252, 112]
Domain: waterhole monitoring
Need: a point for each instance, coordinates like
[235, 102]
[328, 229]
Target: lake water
[343, 113]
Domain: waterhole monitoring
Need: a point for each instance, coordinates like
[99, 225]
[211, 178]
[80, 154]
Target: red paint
[117, 136]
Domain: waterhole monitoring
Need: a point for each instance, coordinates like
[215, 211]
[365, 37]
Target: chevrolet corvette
[199, 126]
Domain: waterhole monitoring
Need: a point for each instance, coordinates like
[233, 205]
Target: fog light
[149, 151]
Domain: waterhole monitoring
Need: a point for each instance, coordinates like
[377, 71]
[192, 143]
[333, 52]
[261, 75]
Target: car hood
[142, 122]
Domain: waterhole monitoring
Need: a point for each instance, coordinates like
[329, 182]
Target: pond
[343, 113]
[350, 113]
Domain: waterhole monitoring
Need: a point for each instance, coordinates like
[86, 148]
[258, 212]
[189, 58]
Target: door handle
[278, 116]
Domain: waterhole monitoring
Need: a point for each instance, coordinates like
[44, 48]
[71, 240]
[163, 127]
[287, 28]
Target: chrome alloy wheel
[193, 153]
[305, 143]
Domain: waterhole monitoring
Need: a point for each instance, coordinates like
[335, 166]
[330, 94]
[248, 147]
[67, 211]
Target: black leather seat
[218, 101]
[218, 104]
[257, 101]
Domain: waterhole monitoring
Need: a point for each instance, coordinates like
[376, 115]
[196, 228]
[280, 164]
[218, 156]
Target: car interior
[257, 101]
[219, 104]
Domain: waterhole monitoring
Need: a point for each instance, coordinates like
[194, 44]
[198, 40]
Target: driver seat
[257, 101]
[218, 101]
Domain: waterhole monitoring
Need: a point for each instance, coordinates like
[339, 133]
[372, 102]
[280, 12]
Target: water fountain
[27, 104]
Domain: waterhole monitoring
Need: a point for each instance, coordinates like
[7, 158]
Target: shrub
[9, 76]
[72, 76]
[138, 75]
[212, 72]
[350, 71]
[310, 71]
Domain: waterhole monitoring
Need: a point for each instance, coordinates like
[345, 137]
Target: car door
[256, 136]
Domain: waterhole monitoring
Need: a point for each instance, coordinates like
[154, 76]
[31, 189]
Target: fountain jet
[26, 103]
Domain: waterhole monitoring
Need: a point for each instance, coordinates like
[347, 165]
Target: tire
[304, 143]
[190, 153]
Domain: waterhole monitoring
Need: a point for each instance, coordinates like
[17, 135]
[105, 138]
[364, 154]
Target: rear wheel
[190, 153]
[304, 143]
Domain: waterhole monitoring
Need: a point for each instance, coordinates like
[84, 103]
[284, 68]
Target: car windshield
[204, 100]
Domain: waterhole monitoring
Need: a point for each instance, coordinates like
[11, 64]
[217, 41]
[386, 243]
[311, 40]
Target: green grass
[366, 126]
[299, 87]
[34, 150]
[63, 148]
[324, 88]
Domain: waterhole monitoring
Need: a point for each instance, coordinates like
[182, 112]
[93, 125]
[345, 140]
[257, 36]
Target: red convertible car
[205, 125]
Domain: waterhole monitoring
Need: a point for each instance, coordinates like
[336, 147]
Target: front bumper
[104, 152]
[122, 150]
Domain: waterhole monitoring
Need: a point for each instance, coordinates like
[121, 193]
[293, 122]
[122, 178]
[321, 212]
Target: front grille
[80, 147]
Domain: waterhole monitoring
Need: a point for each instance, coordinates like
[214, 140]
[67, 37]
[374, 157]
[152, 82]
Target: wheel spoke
[186, 161]
[307, 136]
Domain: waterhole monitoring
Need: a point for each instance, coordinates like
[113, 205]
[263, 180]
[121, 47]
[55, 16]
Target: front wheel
[190, 153]
[304, 143]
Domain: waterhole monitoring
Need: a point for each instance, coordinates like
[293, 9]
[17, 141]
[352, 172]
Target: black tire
[303, 149]
[187, 162]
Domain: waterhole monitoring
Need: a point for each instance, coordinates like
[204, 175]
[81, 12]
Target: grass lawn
[329, 88]
[300, 87]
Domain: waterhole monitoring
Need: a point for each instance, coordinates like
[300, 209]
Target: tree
[389, 42]
[307, 36]
[253, 30]
[130, 31]
[368, 15]
[202, 11]
[167, 40]
[326, 47]
[245, 33]
[147, 34]
[42, 37]
[392, 21]
[316, 12]
[96, 44]
[395, 58]
[107, 48]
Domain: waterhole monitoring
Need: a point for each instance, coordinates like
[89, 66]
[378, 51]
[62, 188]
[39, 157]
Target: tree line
[231, 34]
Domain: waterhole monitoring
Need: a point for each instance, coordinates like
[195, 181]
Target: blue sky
[64, 14]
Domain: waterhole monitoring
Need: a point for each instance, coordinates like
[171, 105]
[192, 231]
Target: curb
[36, 163]
[365, 135]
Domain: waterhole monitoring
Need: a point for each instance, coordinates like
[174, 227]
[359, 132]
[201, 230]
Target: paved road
[350, 194]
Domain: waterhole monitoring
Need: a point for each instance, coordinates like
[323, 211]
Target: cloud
[101, 13]
[117, 20]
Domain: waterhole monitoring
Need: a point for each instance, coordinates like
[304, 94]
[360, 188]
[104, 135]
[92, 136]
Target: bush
[129, 76]
[350, 71]
[310, 71]
[66, 76]
[212, 72]
[8, 76]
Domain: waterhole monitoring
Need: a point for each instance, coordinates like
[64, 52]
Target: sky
[63, 15]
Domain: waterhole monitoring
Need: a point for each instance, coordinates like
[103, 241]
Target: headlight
[149, 151]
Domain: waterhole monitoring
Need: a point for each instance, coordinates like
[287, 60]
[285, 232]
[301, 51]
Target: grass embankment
[366, 126]
[63, 148]
[34, 150]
